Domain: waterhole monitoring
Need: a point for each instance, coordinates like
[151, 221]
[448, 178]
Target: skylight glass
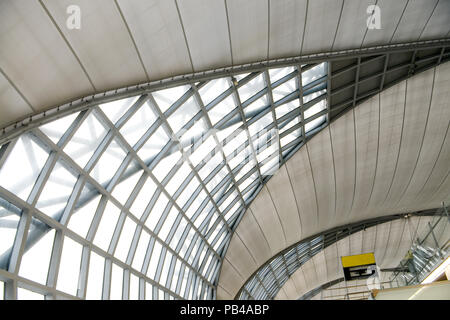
[146, 190]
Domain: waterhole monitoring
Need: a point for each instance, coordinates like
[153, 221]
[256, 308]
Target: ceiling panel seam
[337, 25]
[262, 232]
[367, 29]
[295, 198]
[234, 267]
[268, 28]
[314, 183]
[278, 215]
[440, 185]
[132, 40]
[17, 90]
[184, 35]
[229, 32]
[435, 161]
[428, 20]
[378, 147]
[381, 261]
[334, 171]
[355, 94]
[245, 245]
[355, 166]
[421, 142]
[400, 144]
[399, 20]
[401, 237]
[304, 27]
[68, 44]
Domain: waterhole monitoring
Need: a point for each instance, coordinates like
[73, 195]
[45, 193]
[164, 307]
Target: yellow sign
[358, 260]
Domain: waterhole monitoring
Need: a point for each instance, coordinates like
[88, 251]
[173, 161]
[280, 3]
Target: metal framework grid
[244, 145]
[221, 206]
[425, 254]
[265, 283]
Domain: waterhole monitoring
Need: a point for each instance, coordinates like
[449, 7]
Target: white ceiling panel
[300, 174]
[157, 31]
[418, 95]
[249, 27]
[381, 241]
[414, 20]
[320, 30]
[368, 241]
[287, 23]
[241, 258]
[366, 124]
[404, 244]
[332, 260]
[395, 235]
[114, 59]
[390, 14]
[309, 270]
[124, 43]
[34, 56]
[321, 265]
[356, 243]
[283, 295]
[392, 105]
[352, 25]
[12, 105]
[286, 206]
[289, 288]
[206, 27]
[343, 143]
[254, 238]
[231, 279]
[321, 158]
[434, 138]
[269, 221]
[440, 17]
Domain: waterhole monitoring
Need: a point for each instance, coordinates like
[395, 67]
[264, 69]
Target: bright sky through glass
[149, 188]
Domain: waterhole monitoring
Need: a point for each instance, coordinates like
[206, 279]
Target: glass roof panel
[183, 114]
[9, 222]
[109, 162]
[86, 139]
[284, 89]
[55, 129]
[251, 88]
[114, 110]
[28, 158]
[138, 124]
[57, 190]
[167, 97]
[314, 73]
[221, 109]
[213, 89]
[155, 207]
[278, 73]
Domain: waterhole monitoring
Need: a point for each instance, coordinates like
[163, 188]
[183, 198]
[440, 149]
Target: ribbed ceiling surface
[121, 43]
[388, 155]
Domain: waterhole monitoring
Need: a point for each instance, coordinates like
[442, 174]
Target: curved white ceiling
[388, 155]
[388, 241]
[121, 43]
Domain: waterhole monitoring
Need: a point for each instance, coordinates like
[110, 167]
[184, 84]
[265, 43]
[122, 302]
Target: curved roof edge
[13, 129]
